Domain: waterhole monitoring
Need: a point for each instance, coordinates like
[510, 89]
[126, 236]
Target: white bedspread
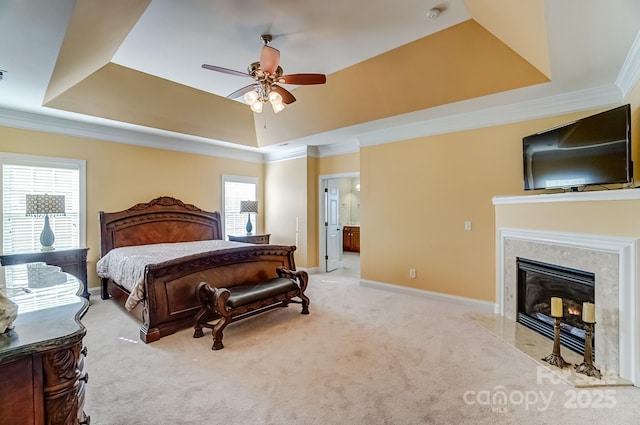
[126, 265]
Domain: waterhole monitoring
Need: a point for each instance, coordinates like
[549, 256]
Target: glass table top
[49, 308]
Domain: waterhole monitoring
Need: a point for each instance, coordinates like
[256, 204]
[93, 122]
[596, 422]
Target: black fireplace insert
[537, 283]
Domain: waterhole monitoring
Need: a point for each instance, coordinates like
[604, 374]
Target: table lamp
[43, 205]
[249, 207]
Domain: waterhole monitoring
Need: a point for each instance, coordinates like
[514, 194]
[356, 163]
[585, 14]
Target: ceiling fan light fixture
[251, 97]
[274, 97]
[277, 107]
[276, 101]
[257, 107]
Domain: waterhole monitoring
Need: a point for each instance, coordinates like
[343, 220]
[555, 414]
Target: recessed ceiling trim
[289, 154]
[630, 72]
[50, 124]
[344, 147]
[497, 115]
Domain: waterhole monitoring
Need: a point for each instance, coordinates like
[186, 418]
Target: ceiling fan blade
[287, 97]
[269, 59]
[241, 92]
[225, 70]
[302, 79]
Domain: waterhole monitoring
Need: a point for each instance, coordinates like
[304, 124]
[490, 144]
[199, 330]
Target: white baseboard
[484, 306]
[310, 270]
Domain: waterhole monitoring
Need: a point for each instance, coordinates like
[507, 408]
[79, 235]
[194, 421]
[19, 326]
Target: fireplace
[537, 282]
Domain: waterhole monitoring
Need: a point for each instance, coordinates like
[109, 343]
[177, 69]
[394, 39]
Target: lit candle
[556, 307]
[588, 313]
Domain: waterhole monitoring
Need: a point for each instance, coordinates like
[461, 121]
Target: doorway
[339, 209]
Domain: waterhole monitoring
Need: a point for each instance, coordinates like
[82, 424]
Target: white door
[332, 224]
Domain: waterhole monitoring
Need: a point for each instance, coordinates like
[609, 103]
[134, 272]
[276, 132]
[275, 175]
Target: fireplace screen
[537, 283]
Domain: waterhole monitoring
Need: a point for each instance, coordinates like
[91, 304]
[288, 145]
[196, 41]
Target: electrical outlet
[467, 225]
[412, 273]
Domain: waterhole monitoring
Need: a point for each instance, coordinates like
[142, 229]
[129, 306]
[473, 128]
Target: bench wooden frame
[222, 306]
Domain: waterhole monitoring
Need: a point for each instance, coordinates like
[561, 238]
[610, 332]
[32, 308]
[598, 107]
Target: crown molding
[286, 155]
[149, 138]
[503, 113]
[314, 151]
[630, 71]
[320, 151]
[340, 148]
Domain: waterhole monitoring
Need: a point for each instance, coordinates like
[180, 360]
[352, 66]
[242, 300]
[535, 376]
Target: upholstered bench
[221, 306]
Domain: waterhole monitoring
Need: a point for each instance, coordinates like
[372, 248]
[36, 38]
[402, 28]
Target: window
[26, 174]
[234, 190]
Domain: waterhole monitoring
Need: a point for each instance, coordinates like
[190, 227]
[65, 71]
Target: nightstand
[72, 261]
[257, 239]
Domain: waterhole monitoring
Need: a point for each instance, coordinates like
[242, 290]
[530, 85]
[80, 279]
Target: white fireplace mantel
[593, 195]
[626, 334]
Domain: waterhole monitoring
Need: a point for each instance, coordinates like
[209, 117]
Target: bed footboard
[172, 302]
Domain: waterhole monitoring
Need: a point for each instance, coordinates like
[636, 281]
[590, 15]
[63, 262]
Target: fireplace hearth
[537, 283]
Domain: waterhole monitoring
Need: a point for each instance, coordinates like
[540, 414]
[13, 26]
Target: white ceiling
[592, 52]
[312, 36]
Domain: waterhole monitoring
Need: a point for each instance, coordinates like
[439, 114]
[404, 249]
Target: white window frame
[52, 162]
[237, 179]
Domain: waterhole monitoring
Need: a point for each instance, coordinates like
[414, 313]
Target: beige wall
[417, 194]
[613, 218]
[286, 211]
[339, 164]
[312, 212]
[120, 175]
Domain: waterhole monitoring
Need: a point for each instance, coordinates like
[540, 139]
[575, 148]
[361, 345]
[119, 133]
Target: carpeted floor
[363, 356]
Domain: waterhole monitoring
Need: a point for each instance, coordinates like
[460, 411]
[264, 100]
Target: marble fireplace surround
[613, 260]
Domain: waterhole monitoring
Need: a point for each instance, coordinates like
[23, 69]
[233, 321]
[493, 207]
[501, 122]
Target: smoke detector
[433, 13]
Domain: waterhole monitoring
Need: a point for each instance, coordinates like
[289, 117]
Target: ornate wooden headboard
[162, 220]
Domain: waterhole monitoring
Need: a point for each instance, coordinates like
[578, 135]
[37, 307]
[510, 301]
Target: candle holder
[587, 367]
[555, 358]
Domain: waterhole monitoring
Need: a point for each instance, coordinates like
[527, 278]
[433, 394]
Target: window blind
[22, 233]
[238, 189]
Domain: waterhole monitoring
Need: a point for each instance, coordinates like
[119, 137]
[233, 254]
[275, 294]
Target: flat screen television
[595, 150]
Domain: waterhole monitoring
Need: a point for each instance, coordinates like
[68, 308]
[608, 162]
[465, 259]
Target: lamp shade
[248, 206]
[45, 205]
[40, 205]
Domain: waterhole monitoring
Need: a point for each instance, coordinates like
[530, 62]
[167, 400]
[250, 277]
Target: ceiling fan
[267, 74]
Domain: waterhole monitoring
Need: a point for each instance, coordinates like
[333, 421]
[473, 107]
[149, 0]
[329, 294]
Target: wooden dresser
[42, 359]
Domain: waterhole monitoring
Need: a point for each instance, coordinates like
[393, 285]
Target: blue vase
[249, 225]
[47, 238]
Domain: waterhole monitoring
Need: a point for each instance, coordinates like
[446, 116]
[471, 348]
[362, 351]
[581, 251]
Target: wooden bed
[171, 301]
